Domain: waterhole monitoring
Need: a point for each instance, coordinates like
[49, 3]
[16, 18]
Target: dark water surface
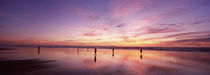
[74, 61]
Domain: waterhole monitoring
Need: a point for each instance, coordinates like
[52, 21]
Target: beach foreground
[83, 61]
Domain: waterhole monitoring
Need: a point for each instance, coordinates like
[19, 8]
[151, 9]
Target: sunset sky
[167, 23]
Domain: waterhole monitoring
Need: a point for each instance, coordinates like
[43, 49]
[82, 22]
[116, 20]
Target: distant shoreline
[191, 49]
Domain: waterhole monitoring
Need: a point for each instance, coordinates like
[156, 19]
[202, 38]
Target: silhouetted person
[112, 52]
[95, 50]
[95, 55]
[88, 49]
[39, 50]
[141, 50]
[141, 53]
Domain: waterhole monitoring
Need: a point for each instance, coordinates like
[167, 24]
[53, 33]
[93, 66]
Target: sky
[126, 23]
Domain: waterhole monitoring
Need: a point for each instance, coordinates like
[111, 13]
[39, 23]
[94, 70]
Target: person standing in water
[39, 50]
[141, 50]
[141, 53]
[112, 52]
[95, 50]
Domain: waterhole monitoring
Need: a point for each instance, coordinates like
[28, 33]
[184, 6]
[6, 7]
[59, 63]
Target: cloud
[157, 30]
[112, 21]
[199, 22]
[161, 16]
[185, 34]
[198, 39]
[203, 42]
[173, 10]
[205, 39]
[94, 17]
[121, 25]
[161, 30]
[126, 38]
[120, 8]
[87, 29]
[92, 33]
[87, 13]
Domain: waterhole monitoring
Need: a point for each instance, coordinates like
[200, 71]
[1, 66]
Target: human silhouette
[141, 54]
[87, 49]
[112, 52]
[39, 50]
[141, 50]
[95, 50]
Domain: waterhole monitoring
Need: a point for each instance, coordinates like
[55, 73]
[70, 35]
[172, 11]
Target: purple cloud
[92, 34]
[121, 25]
[199, 22]
[155, 30]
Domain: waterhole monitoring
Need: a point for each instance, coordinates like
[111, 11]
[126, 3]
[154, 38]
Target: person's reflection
[77, 50]
[39, 50]
[141, 56]
[113, 52]
[95, 55]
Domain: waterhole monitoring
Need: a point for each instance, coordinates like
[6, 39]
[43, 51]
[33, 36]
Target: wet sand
[21, 67]
[5, 48]
[83, 61]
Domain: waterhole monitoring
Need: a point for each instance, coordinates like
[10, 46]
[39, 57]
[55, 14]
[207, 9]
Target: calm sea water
[71, 61]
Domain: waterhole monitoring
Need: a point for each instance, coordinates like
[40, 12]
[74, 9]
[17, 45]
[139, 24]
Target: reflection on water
[141, 56]
[95, 55]
[96, 61]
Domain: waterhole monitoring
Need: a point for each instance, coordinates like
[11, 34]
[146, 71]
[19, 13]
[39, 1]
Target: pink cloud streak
[122, 8]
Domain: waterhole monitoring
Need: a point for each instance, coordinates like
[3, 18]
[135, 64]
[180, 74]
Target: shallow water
[71, 61]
